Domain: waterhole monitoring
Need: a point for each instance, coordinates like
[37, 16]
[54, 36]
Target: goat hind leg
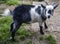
[16, 26]
[11, 26]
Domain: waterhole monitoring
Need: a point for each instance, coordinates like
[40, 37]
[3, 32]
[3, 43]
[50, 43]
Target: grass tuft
[28, 42]
[51, 39]
[48, 38]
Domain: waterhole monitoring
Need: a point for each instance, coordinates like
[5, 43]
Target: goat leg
[45, 25]
[41, 30]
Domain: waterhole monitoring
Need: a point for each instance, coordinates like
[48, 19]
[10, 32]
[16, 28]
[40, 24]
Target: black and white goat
[30, 14]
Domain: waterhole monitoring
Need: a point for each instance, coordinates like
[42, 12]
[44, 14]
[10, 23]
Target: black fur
[38, 10]
[15, 26]
[22, 13]
[43, 17]
[41, 30]
[45, 25]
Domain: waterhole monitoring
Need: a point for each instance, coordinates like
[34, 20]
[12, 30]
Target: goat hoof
[46, 27]
[42, 33]
[12, 39]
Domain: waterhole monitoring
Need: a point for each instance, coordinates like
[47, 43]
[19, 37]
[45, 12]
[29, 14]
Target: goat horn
[46, 2]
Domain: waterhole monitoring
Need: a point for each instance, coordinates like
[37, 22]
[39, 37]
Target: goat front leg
[45, 25]
[41, 28]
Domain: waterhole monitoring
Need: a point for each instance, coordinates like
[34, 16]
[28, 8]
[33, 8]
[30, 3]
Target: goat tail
[7, 12]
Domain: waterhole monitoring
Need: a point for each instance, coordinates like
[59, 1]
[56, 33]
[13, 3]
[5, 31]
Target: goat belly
[26, 17]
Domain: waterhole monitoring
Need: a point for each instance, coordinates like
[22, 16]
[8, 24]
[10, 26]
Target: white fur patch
[34, 15]
[49, 7]
[6, 12]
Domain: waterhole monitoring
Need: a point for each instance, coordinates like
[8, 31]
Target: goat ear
[43, 6]
[55, 5]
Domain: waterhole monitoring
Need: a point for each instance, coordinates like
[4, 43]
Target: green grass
[41, 38]
[24, 33]
[21, 34]
[48, 38]
[28, 42]
[51, 39]
[4, 29]
[15, 2]
[12, 2]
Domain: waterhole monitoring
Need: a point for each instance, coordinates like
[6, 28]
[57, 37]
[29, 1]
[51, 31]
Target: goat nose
[48, 16]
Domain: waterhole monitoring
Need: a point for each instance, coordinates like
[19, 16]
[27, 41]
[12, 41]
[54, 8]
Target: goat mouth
[48, 16]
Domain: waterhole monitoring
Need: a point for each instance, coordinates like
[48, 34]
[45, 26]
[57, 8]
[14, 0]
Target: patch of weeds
[41, 38]
[51, 39]
[28, 42]
[12, 2]
[4, 28]
[48, 38]
[22, 37]
[24, 33]
[11, 42]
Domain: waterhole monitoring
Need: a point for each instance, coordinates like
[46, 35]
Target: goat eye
[49, 11]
